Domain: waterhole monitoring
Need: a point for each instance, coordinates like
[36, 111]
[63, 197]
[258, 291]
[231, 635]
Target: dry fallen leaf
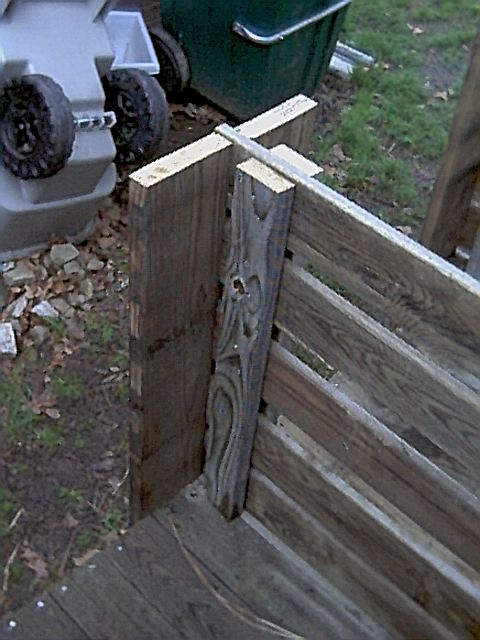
[69, 521]
[442, 95]
[53, 413]
[35, 562]
[417, 31]
[86, 557]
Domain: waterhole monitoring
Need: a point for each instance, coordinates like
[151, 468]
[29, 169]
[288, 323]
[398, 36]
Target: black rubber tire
[174, 73]
[143, 115]
[37, 128]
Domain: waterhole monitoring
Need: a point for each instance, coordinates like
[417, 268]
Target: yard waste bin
[246, 56]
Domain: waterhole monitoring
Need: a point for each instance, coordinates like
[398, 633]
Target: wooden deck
[144, 587]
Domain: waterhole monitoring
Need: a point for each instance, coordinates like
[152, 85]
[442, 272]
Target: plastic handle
[278, 36]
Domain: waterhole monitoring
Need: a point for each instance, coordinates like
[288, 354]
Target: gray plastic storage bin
[59, 52]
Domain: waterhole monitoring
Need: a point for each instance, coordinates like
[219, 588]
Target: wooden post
[452, 195]
[178, 209]
[261, 209]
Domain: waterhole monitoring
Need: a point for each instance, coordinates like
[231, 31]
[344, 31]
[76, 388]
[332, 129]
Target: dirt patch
[64, 407]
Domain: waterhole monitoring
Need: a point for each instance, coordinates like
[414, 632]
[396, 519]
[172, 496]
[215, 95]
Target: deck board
[144, 587]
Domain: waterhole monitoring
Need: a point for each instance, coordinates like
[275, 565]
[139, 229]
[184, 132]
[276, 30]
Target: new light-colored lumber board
[460, 169]
[433, 304]
[406, 478]
[441, 409]
[178, 207]
[369, 525]
[355, 578]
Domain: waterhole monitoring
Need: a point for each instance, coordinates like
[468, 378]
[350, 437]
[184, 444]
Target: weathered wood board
[178, 206]
[384, 460]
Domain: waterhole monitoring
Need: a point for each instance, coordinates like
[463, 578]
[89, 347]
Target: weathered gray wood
[271, 581]
[435, 304]
[178, 206]
[453, 191]
[373, 593]
[34, 622]
[370, 526]
[400, 473]
[431, 402]
[473, 266]
[260, 217]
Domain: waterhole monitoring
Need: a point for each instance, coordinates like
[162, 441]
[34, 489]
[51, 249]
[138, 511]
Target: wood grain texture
[370, 526]
[41, 623]
[453, 191]
[473, 266]
[291, 122]
[268, 578]
[435, 305]
[175, 242]
[355, 578]
[427, 302]
[430, 402]
[381, 458]
[260, 217]
[178, 207]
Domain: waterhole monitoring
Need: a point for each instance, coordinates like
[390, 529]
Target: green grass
[112, 520]
[8, 508]
[101, 330]
[67, 386]
[49, 437]
[72, 498]
[396, 125]
[18, 420]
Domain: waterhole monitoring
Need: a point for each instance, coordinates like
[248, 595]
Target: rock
[60, 254]
[45, 310]
[60, 305]
[41, 273]
[39, 334]
[94, 264]
[76, 299]
[86, 287]
[21, 274]
[75, 328]
[16, 308]
[8, 342]
[73, 268]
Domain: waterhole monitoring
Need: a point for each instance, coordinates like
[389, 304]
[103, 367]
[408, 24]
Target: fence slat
[403, 475]
[369, 526]
[261, 210]
[438, 304]
[307, 536]
[432, 404]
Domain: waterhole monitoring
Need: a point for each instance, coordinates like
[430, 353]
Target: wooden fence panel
[369, 526]
[429, 401]
[380, 457]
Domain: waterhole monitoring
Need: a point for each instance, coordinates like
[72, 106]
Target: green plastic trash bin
[248, 55]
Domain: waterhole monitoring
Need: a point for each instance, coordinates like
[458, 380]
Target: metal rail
[266, 40]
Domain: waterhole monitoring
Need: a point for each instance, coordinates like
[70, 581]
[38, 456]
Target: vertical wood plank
[460, 169]
[261, 210]
[175, 239]
[178, 208]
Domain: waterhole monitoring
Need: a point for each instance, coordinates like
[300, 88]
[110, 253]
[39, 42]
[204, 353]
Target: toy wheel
[142, 112]
[174, 69]
[37, 128]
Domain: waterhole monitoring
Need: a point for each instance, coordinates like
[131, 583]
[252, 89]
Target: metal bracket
[279, 36]
[96, 123]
